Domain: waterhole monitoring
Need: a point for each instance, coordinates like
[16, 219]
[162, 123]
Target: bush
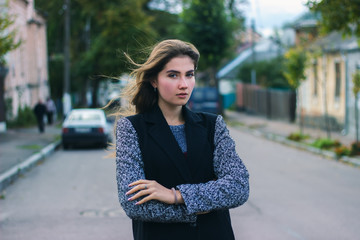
[297, 137]
[25, 118]
[355, 148]
[342, 151]
[325, 143]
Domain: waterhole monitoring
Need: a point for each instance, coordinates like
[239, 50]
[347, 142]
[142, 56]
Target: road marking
[293, 233]
[116, 212]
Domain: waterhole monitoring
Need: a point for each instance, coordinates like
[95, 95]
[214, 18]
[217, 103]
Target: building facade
[326, 94]
[27, 78]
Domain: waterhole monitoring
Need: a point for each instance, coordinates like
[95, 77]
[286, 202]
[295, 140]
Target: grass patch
[298, 137]
[257, 125]
[235, 123]
[34, 147]
[325, 143]
[57, 138]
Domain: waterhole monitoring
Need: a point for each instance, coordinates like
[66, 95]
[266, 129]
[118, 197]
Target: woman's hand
[151, 190]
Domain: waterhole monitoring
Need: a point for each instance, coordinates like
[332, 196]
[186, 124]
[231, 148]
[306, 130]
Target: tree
[210, 26]
[269, 73]
[339, 15]
[7, 44]
[100, 33]
[295, 65]
[356, 90]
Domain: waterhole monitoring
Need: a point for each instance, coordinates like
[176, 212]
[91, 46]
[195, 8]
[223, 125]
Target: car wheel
[65, 146]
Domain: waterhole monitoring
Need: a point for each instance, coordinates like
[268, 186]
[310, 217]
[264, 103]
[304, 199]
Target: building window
[315, 75]
[337, 80]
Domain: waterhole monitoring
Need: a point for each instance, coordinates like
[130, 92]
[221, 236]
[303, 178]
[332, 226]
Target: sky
[270, 14]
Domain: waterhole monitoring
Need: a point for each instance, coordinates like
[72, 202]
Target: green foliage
[295, 64]
[116, 27]
[165, 24]
[100, 32]
[35, 147]
[342, 151]
[338, 15]
[7, 36]
[298, 137]
[56, 75]
[355, 148]
[9, 108]
[356, 82]
[269, 73]
[25, 118]
[55, 42]
[325, 143]
[209, 25]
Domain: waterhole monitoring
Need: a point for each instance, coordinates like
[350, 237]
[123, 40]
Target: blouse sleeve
[230, 189]
[129, 168]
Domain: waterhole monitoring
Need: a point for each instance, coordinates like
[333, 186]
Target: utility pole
[326, 115]
[66, 95]
[253, 71]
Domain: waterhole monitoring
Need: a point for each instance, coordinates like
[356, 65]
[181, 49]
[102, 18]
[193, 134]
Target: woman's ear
[153, 84]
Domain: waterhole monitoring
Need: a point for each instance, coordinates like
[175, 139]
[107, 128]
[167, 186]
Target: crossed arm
[156, 203]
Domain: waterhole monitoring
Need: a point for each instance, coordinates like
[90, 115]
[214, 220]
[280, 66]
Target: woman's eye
[190, 75]
[172, 75]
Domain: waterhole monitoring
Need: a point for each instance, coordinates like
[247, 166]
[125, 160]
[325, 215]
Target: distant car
[85, 126]
[204, 99]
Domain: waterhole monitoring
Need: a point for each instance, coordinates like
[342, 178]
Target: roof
[234, 63]
[306, 20]
[335, 41]
[264, 50]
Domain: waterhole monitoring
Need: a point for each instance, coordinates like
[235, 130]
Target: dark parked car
[204, 99]
[85, 127]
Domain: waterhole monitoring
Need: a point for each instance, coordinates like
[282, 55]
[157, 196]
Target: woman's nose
[183, 83]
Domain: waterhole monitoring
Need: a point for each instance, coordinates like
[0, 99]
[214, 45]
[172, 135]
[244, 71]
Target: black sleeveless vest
[165, 163]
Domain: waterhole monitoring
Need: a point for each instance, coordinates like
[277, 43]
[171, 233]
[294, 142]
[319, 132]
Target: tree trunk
[326, 115]
[301, 114]
[94, 97]
[356, 119]
[217, 85]
[83, 93]
[3, 73]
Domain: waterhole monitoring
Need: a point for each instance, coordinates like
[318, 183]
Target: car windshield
[84, 116]
[211, 95]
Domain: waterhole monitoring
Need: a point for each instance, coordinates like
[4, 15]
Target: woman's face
[176, 82]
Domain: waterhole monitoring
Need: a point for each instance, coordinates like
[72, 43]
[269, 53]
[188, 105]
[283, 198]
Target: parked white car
[86, 126]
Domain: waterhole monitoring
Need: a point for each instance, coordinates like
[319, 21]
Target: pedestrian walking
[178, 173]
[40, 111]
[50, 110]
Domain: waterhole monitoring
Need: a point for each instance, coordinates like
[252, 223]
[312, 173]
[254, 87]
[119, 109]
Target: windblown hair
[139, 92]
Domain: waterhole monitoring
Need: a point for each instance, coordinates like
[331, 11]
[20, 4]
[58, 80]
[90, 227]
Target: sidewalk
[280, 130]
[22, 148]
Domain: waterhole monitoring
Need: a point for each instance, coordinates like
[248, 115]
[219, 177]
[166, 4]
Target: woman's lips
[182, 95]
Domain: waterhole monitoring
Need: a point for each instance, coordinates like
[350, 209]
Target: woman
[177, 171]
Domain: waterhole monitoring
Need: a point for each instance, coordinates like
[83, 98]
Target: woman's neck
[173, 116]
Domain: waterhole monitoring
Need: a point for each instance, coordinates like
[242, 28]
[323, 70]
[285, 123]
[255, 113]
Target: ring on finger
[145, 186]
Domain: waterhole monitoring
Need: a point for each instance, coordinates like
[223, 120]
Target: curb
[281, 139]
[13, 173]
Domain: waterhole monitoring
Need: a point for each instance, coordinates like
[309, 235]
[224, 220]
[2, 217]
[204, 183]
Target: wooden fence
[274, 104]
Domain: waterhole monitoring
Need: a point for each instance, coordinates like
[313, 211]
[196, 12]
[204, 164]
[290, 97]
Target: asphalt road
[294, 195]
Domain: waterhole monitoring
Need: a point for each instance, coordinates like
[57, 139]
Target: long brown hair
[139, 92]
